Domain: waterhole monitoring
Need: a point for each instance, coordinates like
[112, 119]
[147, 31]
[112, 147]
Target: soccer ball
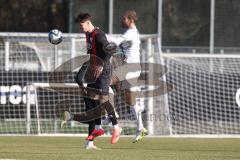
[55, 36]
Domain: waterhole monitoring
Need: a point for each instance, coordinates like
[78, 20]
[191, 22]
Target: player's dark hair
[131, 14]
[82, 17]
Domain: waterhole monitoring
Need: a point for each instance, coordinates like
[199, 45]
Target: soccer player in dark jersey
[100, 69]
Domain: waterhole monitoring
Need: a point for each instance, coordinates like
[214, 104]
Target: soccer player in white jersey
[131, 55]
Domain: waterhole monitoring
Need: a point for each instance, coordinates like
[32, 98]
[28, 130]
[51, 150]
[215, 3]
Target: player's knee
[104, 98]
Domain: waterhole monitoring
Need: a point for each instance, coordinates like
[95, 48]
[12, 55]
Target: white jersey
[132, 53]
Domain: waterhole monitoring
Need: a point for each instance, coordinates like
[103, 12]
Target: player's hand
[110, 48]
[126, 45]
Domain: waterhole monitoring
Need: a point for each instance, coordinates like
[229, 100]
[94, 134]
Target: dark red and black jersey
[95, 42]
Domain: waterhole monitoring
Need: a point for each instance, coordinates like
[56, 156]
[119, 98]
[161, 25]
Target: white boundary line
[127, 136]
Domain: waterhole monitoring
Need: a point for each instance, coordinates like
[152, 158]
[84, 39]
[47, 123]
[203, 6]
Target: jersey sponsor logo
[15, 94]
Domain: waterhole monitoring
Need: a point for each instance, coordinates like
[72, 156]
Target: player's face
[125, 22]
[84, 26]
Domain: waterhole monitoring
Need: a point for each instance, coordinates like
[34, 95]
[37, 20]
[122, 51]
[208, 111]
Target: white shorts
[129, 74]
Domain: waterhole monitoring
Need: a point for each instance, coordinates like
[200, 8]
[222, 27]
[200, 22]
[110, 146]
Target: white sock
[139, 121]
[89, 143]
[97, 127]
[116, 114]
[138, 114]
[115, 126]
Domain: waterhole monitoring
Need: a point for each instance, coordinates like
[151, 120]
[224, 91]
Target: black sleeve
[101, 40]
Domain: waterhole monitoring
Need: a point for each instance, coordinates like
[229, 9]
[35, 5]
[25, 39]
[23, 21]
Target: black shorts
[91, 103]
[103, 82]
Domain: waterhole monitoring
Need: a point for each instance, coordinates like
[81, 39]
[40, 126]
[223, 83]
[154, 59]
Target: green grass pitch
[71, 148]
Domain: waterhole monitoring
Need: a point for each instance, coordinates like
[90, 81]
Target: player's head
[129, 18]
[84, 21]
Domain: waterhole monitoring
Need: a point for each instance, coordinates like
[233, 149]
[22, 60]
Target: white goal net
[205, 98]
[187, 94]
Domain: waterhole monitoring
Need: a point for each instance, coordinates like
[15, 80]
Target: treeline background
[184, 22]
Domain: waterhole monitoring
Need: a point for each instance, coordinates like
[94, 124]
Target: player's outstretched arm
[116, 40]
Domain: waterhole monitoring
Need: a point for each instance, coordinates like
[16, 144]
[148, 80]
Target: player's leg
[107, 118]
[97, 129]
[106, 105]
[92, 112]
[115, 85]
[136, 104]
[137, 109]
[89, 142]
[93, 130]
[85, 118]
[104, 82]
[90, 105]
[116, 131]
